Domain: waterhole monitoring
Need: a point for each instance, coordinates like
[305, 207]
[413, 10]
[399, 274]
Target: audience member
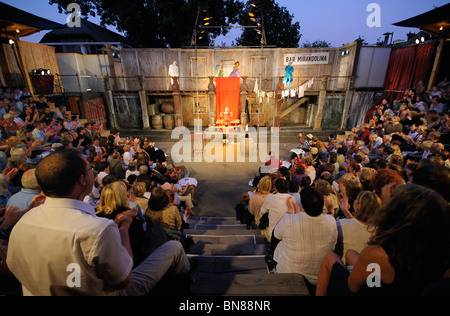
[160, 211]
[354, 232]
[256, 200]
[113, 201]
[65, 231]
[305, 237]
[30, 188]
[408, 262]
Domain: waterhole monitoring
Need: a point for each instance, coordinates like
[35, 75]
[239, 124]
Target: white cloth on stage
[188, 181]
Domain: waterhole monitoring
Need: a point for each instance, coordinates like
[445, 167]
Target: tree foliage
[158, 23]
[278, 25]
[163, 23]
[316, 44]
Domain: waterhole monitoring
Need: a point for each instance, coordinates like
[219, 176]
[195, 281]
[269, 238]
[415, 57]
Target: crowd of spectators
[350, 188]
[331, 204]
[128, 173]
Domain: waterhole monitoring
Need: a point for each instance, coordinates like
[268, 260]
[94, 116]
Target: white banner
[320, 58]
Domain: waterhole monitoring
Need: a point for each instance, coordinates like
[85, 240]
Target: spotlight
[11, 42]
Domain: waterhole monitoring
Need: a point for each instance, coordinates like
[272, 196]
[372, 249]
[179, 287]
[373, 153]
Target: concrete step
[228, 239]
[234, 264]
[236, 284]
[248, 249]
[213, 221]
[219, 226]
[222, 232]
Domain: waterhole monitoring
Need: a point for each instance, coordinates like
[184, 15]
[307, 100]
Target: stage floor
[221, 184]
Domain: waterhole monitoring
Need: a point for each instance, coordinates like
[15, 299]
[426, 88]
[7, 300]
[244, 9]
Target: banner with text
[319, 58]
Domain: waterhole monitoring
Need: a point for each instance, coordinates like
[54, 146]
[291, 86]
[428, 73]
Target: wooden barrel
[167, 108]
[157, 122]
[169, 122]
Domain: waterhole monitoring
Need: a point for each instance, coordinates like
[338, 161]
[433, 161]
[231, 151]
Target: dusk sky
[335, 21]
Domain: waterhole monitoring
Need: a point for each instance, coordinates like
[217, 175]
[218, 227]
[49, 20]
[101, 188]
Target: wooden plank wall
[39, 56]
[266, 64]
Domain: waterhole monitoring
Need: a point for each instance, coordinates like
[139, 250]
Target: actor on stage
[236, 70]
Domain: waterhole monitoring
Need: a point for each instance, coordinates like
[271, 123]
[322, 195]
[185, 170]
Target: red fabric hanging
[407, 66]
[228, 91]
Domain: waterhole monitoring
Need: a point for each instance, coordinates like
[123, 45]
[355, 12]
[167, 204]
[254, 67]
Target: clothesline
[294, 92]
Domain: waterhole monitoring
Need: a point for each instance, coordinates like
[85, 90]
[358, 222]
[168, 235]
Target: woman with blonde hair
[353, 231]
[256, 200]
[138, 190]
[113, 201]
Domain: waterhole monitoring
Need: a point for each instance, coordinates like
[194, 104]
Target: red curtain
[407, 66]
[228, 91]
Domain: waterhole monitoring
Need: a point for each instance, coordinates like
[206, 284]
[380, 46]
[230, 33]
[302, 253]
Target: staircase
[229, 261]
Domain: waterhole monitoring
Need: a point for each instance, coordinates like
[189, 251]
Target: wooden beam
[437, 63]
[293, 107]
[23, 65]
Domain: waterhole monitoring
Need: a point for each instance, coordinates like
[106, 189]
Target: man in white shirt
[63, 248]
[277, 204]
[306, 237]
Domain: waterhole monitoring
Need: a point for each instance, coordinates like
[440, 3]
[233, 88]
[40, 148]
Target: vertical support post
[212, 103]
[110, 102]
[277, 114]
[436, 65]
[178, 116]
[348, 101]
[22, 63]
[321, 103]
[143, 99]
[242, 101]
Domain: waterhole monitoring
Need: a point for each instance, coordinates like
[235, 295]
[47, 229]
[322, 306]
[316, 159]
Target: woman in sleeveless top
[410, 249]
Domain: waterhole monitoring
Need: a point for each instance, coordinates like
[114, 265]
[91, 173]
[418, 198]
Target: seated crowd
[379, 195]
[130, 179]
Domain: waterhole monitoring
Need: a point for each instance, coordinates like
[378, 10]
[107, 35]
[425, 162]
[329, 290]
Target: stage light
[251, 14]
[441, 28]
[11, 42]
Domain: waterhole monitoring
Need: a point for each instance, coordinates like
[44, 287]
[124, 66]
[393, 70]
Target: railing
[93, 83]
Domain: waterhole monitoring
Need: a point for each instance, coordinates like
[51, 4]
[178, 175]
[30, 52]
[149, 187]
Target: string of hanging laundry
[298, 91]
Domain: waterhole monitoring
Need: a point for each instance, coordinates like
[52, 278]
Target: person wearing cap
[305, 143]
